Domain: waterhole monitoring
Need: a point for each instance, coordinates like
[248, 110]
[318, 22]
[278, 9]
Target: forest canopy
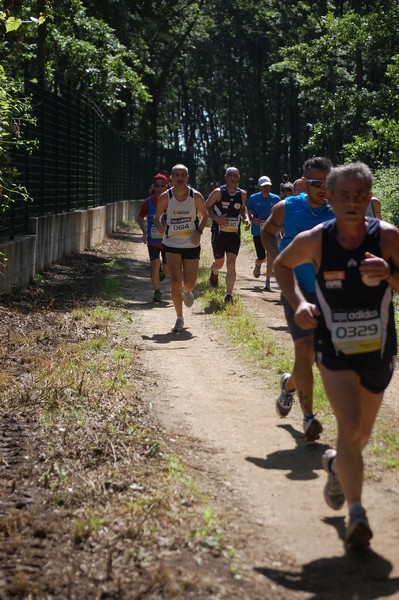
[260, 84]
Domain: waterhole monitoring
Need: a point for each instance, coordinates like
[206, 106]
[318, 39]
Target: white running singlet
[181, 221]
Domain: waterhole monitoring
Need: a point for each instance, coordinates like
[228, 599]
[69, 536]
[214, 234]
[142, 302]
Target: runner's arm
[386, 267]
[250, 216]
[141, 222]
[141, 219]
[162, 206]
[243, 204]
[272, 227]
[305, 247]
[214, 197]
[203, 213]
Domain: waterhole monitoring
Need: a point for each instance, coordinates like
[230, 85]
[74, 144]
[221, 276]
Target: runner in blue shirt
[259, 206]
[294, 215]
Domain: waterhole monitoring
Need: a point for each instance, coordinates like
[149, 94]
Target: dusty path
[269, 474]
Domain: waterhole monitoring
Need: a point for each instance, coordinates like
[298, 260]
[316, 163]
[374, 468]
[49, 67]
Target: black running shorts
[189, 253]
[223, 243]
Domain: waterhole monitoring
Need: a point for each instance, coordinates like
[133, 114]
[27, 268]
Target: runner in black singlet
[226, 208]
[356, 259]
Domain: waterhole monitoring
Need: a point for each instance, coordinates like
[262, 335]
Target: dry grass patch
[95, 502]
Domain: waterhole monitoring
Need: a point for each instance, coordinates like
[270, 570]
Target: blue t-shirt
[261, 207]
[299, 216]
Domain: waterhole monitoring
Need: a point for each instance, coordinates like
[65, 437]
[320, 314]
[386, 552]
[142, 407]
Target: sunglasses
[317, 183]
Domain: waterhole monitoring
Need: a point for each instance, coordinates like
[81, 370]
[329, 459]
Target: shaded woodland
[260, 84]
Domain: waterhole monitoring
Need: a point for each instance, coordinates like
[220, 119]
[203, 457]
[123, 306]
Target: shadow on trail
[265, 293]
[339, 525]
[166, 338]
[302, 462]
[132, 236]
[353, 576]
[256, 290]
[279, 328]
[273, 300]
[146, 304]
[215, 306]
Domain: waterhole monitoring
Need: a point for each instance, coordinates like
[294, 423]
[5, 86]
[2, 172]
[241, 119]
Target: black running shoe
[214, 279]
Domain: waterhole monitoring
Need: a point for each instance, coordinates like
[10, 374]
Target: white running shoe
[286, 399]
[188, 298]
[333, 494]
[179, 325]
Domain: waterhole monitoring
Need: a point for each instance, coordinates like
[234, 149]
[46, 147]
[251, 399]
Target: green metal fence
[80, 162]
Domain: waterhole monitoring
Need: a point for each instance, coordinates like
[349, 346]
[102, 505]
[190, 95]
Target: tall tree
[261, 84]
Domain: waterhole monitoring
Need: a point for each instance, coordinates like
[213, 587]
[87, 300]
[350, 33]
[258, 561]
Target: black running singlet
[357, 318]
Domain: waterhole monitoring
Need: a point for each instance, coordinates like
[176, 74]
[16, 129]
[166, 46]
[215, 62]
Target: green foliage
[15, 109]
[209, 533]
[379, 147]
[380, 143]
[386, 189]
[85, 53]
[14, 115]
[12, 23]
[261, 84]
[341, 69]
[83, 528]
[386, 445]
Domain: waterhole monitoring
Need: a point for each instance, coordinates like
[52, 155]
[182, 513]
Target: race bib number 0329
[356, 331]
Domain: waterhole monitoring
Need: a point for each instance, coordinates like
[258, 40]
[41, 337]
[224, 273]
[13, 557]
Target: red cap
[160, 176]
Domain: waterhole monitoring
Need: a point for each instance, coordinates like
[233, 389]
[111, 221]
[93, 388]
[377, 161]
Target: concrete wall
[52, 237]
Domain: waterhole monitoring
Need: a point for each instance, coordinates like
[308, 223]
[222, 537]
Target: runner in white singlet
[186, 217]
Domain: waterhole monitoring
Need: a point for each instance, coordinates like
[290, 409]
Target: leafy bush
[14, 114]
[386, 189]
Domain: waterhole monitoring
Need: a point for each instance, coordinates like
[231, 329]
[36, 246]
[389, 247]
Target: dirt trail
[269, 474]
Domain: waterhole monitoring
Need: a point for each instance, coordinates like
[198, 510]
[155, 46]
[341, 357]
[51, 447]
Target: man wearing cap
[258, 207]
[151, 236]
[294, 215]
[226, 208]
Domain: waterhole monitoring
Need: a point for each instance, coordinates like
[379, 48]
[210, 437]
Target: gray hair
[355, 169]
[179, 166]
